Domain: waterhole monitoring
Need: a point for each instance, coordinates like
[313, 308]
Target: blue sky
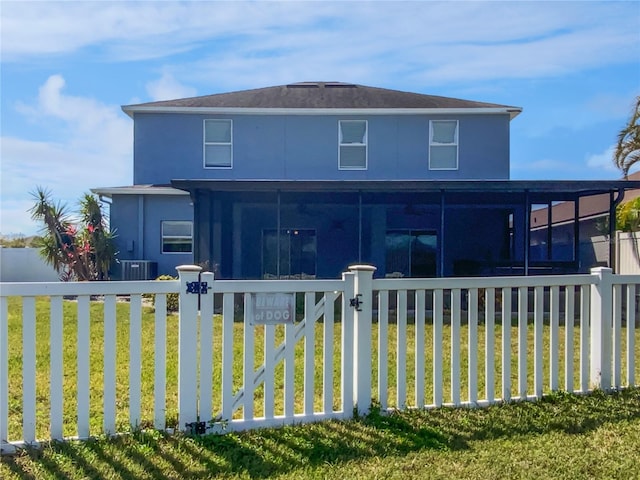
[68, 67]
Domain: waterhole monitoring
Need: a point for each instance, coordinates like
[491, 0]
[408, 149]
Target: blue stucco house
[302, 180]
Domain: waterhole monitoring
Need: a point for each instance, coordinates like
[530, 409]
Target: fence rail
[89, 358]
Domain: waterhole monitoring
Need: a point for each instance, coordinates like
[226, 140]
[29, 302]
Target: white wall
[24, 265]
[628, 253]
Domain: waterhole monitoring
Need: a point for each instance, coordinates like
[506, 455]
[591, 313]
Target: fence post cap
[189, 268]
[601, 270]
[362, 268]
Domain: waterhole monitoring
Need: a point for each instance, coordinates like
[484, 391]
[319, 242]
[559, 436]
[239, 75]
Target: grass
[563, 436]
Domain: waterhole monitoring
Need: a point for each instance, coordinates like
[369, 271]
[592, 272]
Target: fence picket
[309, 352]
[56, 375]
[401, 349]
[506, 344]
[523, 294]
[269, 370]
[617, 335]
[585, 336]
[135, 359]
[438, 307]
[29, 369]
[631, 333]
[383, 349]
[327, 356]
[109, 362]
[419, 348]
[472, 342]
[83, 365]
[489, 339]
[538, 341]
[160, 362]
[569, 318]
[247, 369]
[554, 341]
[455, 346]
[227, 356]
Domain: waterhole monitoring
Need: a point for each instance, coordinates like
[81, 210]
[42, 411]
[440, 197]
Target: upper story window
[218, 144]
[443, 145]
[352, 144]
[177, 236]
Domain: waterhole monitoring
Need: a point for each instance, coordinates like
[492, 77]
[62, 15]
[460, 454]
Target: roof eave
[131, 110]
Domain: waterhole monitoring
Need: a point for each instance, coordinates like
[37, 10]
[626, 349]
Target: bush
[172, 298]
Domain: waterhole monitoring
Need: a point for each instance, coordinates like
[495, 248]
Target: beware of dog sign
[272, 308]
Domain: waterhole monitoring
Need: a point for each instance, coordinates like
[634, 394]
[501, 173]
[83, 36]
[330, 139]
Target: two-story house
[302, 180]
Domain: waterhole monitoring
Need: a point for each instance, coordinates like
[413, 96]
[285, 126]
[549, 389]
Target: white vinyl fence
[83, 359]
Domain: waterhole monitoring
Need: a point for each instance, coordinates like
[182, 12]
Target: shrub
[172, 298]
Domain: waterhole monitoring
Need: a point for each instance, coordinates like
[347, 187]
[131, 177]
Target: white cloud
[94, 148]
[603, 162]
[168, 88]
[430, 42]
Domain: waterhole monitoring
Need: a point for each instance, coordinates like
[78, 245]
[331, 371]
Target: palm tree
[627, 150]
[84, 253]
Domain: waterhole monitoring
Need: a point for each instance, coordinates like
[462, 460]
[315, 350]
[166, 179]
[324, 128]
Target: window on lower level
[177, 236]
[443, 145]
[352, 144]
[218, 143]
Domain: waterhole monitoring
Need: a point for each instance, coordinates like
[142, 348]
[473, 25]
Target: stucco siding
[304, 147]
[137, 220]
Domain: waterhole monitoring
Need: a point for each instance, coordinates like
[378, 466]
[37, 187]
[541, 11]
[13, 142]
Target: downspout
[140, 248]
[613, 205]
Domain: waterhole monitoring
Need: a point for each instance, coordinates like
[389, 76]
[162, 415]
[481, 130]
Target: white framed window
[352, 144]
[443, 145]
[177, 236]
[218, 143]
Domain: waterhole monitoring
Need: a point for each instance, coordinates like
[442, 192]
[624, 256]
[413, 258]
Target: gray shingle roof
[321, 95]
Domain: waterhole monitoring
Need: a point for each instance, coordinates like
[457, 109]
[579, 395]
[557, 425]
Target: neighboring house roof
[589, 207]
[318, 96]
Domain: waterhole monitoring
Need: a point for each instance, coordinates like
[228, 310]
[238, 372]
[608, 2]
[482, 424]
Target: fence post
[601, 311]
[362, 321]
[187, 347]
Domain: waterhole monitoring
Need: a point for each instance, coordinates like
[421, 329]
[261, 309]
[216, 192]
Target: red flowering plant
[82, 250]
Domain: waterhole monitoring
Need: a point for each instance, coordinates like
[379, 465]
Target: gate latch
[197, 287]
[197, 428]
[355, 302]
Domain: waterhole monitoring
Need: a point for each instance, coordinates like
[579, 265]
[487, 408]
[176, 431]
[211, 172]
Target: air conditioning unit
[139, 270]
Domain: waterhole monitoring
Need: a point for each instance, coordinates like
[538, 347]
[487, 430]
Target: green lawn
[561, 437]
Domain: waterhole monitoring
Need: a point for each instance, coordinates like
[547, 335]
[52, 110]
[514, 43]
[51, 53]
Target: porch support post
[441, 236]
[278, 227]
[362, 321]
[612, 229]
[187, 347]
[527, 230]
[601, 329]
[576, 232]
